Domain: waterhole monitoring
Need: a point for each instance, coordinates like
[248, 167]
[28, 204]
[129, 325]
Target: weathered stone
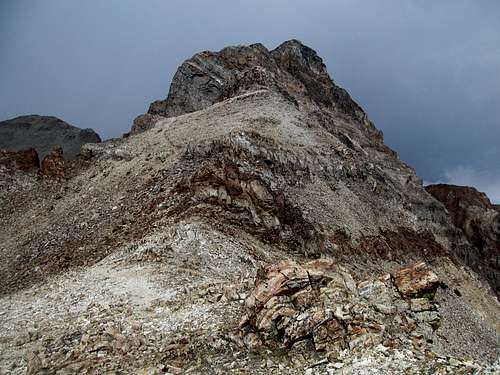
[252, 341]
[25, 160]
[53, 165]
[284, 278]
[431, 317]
[364, 339]
[421, 304]
[416, 281]
[273, 310]
[231, 293]
[145, 122]
[303, 298]
[333, 312]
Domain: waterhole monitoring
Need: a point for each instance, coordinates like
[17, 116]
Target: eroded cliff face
[472, 212]
[255, 158]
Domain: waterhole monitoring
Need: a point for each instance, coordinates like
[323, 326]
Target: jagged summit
[292, 69]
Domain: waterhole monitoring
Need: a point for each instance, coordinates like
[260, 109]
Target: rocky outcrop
[416, 281]
[53, 163]
[472, 212]
[26, 160]
[43, 133]
[52, 166]
[320, 302]
[457, 199]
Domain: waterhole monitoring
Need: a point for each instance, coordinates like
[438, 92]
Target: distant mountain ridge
[43, 133]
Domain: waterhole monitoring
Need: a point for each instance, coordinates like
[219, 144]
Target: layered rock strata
[143, 258]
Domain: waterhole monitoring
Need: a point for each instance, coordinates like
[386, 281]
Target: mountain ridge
[271, 222]
[43, 133]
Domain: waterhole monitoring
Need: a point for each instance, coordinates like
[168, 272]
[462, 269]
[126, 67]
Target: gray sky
[426, 72]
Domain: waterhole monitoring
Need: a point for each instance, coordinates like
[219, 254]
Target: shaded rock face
[320, 302]
[472, 212]
[43, 133]
[292, 69]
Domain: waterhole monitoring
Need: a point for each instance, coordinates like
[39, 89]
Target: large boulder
[416, 280]
[43, 133]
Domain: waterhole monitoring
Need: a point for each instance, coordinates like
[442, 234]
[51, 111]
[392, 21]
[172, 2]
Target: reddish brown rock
[26, 160]
[457, 199]
[416, 280]
[319, 301]
[472, 212]
[144, 122]
[53, 164]
[283, 278]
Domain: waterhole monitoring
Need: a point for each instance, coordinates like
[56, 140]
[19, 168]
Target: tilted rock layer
[256, 175]
[321, 302]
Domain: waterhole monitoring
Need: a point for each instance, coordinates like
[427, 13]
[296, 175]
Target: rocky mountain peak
[293, 52]
[292, 69]
[260, 227]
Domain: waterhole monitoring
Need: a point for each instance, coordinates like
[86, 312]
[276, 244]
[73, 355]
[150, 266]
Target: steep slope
[362, 189]
[145, 256]
[43, 133]
[472, 212]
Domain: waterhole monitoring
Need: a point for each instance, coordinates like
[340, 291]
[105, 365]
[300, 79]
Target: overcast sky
[426, 72]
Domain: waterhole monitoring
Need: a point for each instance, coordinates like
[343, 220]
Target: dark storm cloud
[427, 72]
